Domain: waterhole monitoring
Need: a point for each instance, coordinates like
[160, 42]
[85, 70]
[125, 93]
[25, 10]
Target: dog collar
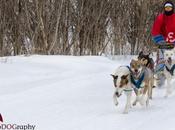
[128, 90]
[137, 83]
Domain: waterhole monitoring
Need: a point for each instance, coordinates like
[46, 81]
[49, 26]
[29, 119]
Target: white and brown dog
[169, 69]
[122, 83]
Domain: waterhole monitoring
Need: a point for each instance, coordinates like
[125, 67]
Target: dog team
[138, 79]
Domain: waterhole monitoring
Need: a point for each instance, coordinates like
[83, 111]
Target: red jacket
[165, 26]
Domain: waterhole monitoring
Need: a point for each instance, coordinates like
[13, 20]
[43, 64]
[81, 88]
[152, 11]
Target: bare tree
[75, 27]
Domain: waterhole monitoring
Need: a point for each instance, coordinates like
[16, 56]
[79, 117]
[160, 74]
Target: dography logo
[13, 126]
[1, 119]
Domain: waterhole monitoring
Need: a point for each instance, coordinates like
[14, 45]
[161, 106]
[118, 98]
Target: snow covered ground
[74, 93]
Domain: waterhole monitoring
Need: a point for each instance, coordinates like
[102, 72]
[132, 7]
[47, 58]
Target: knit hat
[169, 4]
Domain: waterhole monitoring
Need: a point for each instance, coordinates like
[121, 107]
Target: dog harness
[137, 83]
[159, 68]
[170, 70]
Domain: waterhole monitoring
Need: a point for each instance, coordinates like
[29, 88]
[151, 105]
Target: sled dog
[122, 83]
[169, 69]
[141, 79]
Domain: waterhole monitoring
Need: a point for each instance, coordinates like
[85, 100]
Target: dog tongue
[170, 61]
[136, 73]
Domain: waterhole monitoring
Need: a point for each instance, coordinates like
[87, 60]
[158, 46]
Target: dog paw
[147, 103]
[130, 106]
[116, 103]
[166, 96]
[134, 104]
[154, 86]
[142, 102]
[125, 112]
[169, 92]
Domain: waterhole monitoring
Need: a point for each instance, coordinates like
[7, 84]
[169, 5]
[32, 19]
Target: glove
[159, 39]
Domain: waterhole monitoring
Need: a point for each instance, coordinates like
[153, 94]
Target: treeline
[75, 27]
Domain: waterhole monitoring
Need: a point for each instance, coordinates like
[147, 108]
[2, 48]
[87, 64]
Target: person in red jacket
[163, 32]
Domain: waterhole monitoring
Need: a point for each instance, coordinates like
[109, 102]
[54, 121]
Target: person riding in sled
[163, 32]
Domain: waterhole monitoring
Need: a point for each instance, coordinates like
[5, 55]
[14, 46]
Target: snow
[74, 93]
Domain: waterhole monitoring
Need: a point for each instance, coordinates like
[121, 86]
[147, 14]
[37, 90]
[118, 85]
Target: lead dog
[122, 83]
[141, 78]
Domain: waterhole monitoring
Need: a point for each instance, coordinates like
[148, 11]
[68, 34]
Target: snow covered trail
[67, 92]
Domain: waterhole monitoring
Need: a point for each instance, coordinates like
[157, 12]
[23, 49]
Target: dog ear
[139, 61]
[125, 76]
[143, 61]
[132, 61]
[114, 76]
